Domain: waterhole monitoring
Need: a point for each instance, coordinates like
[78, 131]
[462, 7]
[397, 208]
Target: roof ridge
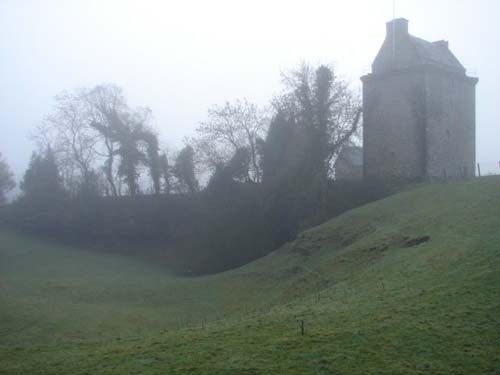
[435, 53]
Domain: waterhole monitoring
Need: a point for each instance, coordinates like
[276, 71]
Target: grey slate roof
[401, 50]
[436, 53]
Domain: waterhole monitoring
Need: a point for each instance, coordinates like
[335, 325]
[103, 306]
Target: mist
[179, 59]
[249, 187]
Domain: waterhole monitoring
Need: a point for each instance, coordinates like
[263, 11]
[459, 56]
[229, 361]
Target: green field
[406, 285]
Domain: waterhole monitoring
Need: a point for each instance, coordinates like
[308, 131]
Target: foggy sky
[180, 57]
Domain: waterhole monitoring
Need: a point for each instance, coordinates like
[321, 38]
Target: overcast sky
[180, 57]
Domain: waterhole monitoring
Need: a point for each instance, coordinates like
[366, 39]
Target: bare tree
[318, 114]
[73, 141]
[104, 102]
[323, 103]
[229, 128]
[92, 131]
[136, 144]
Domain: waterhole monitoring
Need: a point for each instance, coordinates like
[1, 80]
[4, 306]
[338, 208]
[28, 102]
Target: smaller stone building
[418, 111]
[349, 164]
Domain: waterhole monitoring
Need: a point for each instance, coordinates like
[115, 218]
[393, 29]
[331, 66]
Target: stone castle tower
[418, 111]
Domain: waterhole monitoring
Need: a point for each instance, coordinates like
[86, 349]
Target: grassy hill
[407, 285]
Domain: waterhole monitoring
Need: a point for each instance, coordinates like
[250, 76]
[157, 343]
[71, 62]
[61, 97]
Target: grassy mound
[406, 285]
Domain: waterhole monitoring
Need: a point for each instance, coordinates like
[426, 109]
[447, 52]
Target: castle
[418, 111]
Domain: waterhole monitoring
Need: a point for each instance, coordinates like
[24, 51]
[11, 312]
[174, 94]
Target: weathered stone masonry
[418, 111]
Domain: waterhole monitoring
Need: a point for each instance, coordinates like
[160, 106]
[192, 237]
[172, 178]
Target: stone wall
[450, 125]
[393, 125]
[419, 123]
[418, 111]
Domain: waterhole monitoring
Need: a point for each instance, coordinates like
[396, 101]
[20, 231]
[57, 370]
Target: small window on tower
[393, 154]
[448, 133]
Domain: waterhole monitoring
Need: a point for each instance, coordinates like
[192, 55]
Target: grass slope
[370, 302]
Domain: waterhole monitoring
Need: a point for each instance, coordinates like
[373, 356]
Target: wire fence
[488, 168]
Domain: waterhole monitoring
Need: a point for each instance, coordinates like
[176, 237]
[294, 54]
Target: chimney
[397, 25]
[441, 43]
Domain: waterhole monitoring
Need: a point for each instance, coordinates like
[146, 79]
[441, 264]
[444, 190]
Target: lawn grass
[371, 303]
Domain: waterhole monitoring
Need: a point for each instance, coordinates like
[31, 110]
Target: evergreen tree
[184, 171]
[7, 182]
[42, 184]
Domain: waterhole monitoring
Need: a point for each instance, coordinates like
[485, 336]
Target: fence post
[479, 169]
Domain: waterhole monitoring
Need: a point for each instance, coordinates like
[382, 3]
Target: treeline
[101, 176]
